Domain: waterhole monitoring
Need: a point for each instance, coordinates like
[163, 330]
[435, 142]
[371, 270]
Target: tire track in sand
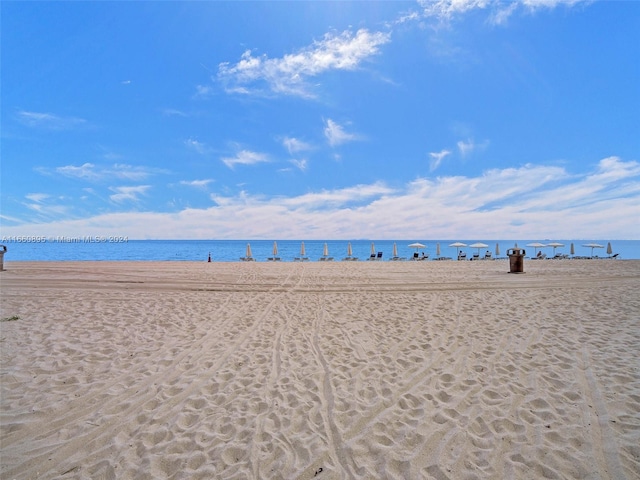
[59, 454]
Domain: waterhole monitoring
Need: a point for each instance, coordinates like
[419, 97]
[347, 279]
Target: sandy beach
[321, 370]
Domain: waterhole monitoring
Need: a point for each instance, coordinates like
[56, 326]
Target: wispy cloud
[37, 197]
[437, 158]
[336, 134]
[95, 173]
[46, 206]
[467, 147]
[197, 146]
[288, 75]
[49, 121]
[245, 157]
[301, 164]
[498, 11]
[128, 194]
[295, 145]
[173, 112]
[196, 183]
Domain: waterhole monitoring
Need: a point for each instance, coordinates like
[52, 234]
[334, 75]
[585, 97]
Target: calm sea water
[232, 250]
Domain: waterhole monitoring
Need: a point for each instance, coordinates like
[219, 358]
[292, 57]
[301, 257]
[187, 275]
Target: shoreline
[166, 369]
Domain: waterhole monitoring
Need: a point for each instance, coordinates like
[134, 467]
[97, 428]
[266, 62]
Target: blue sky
[321, 120]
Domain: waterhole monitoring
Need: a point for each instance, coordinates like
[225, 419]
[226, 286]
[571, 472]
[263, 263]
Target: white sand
[320, 370]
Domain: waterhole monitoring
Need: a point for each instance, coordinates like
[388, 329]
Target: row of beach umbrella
[456, 245]
[325, 252]
[537, 245]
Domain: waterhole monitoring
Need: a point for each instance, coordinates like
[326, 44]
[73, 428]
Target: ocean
[123, 249]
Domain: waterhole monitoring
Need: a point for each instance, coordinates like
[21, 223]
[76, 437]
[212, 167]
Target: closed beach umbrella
[302, 250]
[275, 249]
[573, 250]
[609, 249]
[437, 249]
[325, 251]
[458, 246]
[248, 252]
[497, 249]
[349, 250]
[373, 249]
[395, 249]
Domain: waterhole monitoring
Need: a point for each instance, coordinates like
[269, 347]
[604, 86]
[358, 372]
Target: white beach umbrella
[248, 252]
[458, 246]
[555, 245]
[536, 246]
[609, 249]
[497, 250]
[325, 250]
[275, 249]
[302, 250]
[417, 246]
[395, 249]
[437, 249]
[349, 250]
[478, 245]
[373, 249]
[592, 246]
[573, 249]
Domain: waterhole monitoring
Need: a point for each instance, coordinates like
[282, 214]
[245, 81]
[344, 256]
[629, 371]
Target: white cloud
[196, 183]
[533, 201]
[173, 112]
[245, 157]
[128, 194]
[301, 163]
[294, 145]
[37, 197]
[288, 75]
[469, 146]
[197, 146]
[437, 157]
[94, 173]
[49, 121]
[203, 91]
[498, 10]
[336, 135]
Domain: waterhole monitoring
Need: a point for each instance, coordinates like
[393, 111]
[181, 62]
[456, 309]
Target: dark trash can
[516, 260]
[2, 250]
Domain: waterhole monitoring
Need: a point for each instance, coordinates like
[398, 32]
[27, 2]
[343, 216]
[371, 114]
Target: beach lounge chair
[615, 255]
[476, 256]
[487, 256]
[462, 256]
[379, 257]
